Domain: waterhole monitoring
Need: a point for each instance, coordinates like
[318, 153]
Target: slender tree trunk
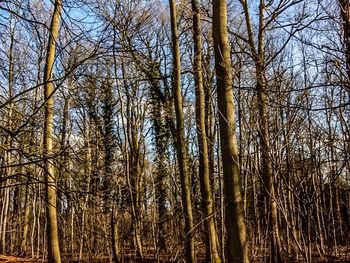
[161, 142]
[8, 158]
[114, 233]
[88, 174]
[54, 255]
[204, 169]
[180, 135]
[26, 222]
[135, 179]
[267, 172]
[345, 15]
[236, 244]
[4, 213]
[263, 130]
[266, 158]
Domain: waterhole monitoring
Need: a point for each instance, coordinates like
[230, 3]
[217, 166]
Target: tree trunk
[26, 222]
[266, 168]
[8, 158]
[204, 166]
[114, 233]
[263, 129]
[236, 244]
[345, 15]
[180, 135]
[51, 190]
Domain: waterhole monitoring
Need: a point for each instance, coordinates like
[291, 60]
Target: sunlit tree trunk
[51, 189]
[180, 135]
[236, 244]
[204, 165]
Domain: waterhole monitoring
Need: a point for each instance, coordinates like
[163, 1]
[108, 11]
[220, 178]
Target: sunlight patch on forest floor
[8, 259]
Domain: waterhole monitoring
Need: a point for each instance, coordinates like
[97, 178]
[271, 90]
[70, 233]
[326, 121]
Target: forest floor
[10, 259]
[343, 258]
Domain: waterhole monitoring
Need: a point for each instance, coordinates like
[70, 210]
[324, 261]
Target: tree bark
[236, 244]
[180, 135]
[114, 233]
[204, 165]
[54, 255]
[345, 15]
